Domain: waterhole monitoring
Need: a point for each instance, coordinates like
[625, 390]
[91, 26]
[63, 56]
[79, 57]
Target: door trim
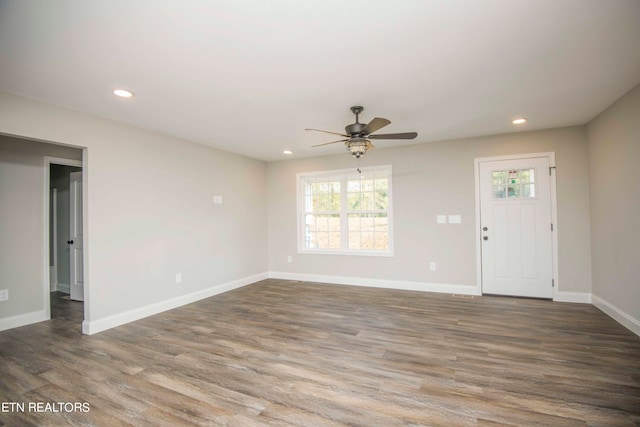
[48, 161]
[554, 214]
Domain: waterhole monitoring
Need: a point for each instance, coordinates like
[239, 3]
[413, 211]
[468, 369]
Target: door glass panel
[513, 184]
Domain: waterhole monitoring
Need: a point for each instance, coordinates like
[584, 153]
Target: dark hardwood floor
[290, 353]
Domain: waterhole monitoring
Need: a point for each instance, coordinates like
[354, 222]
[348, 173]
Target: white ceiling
[249, 76]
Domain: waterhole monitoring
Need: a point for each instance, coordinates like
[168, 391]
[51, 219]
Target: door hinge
[551, 226]
[553, 283]
[551, 167]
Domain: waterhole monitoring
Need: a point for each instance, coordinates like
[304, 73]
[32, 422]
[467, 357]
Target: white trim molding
[576, 297]
[23, 319]
[90, 327]
[378, 283]
[617, 314]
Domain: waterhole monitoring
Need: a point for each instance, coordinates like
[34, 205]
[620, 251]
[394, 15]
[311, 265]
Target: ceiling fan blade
[332, 133]
[406, 135]
[327, 143]
[374, 125]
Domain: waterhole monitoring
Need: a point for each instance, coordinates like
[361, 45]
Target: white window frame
[344, 250]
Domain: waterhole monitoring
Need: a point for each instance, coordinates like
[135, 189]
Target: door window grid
[514, 184]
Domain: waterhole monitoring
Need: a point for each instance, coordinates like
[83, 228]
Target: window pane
[498, 192]
[369, 231]
[499, 177]
[368, 201]
[528, 190]
[354, 201]
[381, 184]
[382, 199]
[321, 231]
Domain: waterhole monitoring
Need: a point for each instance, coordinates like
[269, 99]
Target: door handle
[69, 242]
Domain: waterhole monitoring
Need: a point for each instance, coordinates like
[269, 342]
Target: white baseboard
[90, 327]
[23, 320]
[577, 297]
[64, 287]
[379, 283]
[616, 314]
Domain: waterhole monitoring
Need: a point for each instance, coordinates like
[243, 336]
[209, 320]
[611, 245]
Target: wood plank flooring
[281, 353]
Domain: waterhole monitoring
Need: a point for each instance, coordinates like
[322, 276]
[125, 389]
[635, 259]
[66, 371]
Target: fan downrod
[357, 109]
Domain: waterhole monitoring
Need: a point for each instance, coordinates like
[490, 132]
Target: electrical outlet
[4, 295]
[432, 266]
[179, 278]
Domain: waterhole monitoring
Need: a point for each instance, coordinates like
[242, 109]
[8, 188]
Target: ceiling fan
[358, 134]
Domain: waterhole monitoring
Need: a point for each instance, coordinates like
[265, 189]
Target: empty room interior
[363, 213]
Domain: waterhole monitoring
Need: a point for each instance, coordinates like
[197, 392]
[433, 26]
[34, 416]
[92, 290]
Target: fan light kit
[357, 135]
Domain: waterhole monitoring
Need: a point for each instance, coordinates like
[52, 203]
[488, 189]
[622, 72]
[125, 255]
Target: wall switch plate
[441, 219]
[179, 278]
[217, 200]
[432, 266]
[455, 219]
[289, 259]
[4, 295]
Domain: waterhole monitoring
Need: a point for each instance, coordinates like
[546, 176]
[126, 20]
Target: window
[514, 184]
[345, 212]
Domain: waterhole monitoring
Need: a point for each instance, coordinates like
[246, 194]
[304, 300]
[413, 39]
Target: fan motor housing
[354, 129]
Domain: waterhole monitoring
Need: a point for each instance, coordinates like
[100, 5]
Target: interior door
[76, 273]
[515, 218]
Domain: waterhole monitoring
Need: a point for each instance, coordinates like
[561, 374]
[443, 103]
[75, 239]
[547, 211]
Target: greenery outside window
[346, 212]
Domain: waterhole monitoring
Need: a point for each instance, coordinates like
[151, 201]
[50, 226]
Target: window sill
[343, 252]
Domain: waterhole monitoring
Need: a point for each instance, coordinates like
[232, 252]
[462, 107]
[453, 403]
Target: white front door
[515, 222]
[75, 238]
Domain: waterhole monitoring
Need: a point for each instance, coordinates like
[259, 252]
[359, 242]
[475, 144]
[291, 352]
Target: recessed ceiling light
[519, 121]
[287, 152]
[123, 93]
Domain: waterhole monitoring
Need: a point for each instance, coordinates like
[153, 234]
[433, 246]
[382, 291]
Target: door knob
[69, 242]
[485, 238]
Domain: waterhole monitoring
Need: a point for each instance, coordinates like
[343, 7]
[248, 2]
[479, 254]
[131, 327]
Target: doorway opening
[65, 290]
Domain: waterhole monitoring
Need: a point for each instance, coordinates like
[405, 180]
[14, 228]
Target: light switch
[455, 219]
[441, 219]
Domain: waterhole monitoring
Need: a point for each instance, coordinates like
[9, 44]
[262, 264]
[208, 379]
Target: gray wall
[150, 213]
[614, 177]
[431, 179]
[22, 232]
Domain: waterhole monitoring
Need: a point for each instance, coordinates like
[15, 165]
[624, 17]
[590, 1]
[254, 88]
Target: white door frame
[48, 161]
[554, 214]
[53, 239]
